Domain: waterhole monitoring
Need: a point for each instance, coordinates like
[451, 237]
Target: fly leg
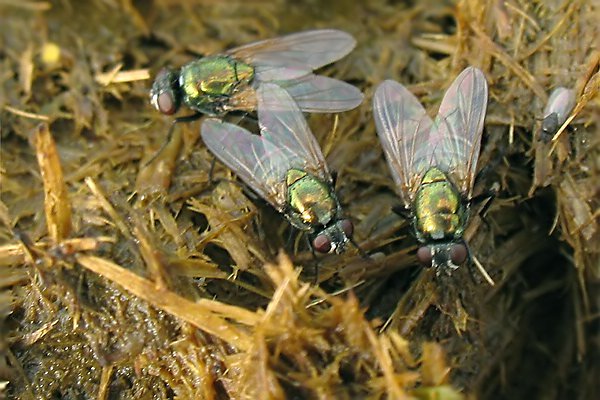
[289, 243]
[315, 259]
[334, 176]
[212, 180]
[242, 117]
[487, 199]
[362, 253]
[211, 171]
[186, 118]
[401, 212]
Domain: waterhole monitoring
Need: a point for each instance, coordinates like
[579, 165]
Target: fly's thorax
[210, 81]
[438, 209]
[313, 207]
[311, 201]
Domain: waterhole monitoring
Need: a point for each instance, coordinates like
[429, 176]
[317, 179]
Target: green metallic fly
[433, 163]
[217, 84]
[285, 166]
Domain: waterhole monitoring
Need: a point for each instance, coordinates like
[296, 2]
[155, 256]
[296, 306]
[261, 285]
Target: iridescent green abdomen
[208, 83]
[438, 210]
[310, 199]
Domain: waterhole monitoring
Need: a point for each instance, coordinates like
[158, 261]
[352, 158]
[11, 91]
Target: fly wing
[258, 162]
[316, 93]
[456, 135]
[295, 55]
[282, 123]
[403, 127]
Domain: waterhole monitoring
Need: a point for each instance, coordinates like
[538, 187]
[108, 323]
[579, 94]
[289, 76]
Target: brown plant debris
[130, 273]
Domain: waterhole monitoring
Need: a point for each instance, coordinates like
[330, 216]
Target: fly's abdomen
[208, 82]
[311, 201]
[438, 210]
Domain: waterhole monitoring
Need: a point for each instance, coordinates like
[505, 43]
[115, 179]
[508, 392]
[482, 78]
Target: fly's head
[165, 94]
[549, 126]
[334, 237]
[446, 256]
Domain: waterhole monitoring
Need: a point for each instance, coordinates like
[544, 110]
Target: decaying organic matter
[124, 276]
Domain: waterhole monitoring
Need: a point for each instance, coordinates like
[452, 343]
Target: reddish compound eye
[322, 244]
[424, 256]
[458, 254]
[165, 103]
[348, 227]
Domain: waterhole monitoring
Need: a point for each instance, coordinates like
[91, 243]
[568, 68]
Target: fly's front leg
[187, 118]
[334, 175]
[241, 117]
[362, 253]
[487, 199]
[402, 212]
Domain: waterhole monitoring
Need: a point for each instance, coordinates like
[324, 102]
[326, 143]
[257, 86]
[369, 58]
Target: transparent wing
[258, 162]
[295, 55]
[315, 93]
[282, 123]
[561, 102]
[403, 128]
[456, 135]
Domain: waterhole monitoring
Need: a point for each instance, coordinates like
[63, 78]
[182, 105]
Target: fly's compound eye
[348, 227]
[165, 103]
[458, 254]
[424, 256]
[322, 244]
[163, 92]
